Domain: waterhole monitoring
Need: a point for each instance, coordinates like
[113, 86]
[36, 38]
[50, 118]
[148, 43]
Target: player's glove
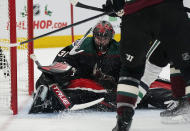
[115, 6]
[108, 8]
[171, 104]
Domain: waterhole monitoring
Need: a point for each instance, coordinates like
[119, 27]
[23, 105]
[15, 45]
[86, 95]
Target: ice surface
[144, 120]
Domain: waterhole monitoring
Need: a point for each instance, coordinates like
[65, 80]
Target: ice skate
[178, 113]
[124, 121]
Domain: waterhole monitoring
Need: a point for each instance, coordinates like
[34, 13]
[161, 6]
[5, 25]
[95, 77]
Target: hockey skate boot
[179, 112]
[124, 121]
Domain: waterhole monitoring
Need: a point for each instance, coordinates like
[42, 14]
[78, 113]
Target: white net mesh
[22, 69]
[5, 91]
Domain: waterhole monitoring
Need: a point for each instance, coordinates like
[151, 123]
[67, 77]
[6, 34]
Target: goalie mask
[103, 33]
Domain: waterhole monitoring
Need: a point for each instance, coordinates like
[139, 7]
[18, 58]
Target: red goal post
[16, 67]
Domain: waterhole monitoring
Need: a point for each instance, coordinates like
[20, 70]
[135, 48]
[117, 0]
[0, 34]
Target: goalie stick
[73, 2]
[86, 105]
[81, 5]
[60, 29]
[78, 44]
[34, 58]
[72, 52]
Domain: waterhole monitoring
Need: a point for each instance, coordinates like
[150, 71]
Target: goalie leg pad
[39, 98]
[60, 95]
[43, 92]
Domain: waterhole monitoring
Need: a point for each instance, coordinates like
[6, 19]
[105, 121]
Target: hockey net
[14, 65]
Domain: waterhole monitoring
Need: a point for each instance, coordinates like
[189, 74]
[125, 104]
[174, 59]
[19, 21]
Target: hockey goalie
[86, 76]
[81, 74]
[58, 89]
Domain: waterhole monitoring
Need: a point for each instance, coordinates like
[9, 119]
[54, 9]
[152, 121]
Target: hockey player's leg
[154, 64]
[133, 50]
[124, 120]
[127, 92]
[177, 82]
[126, 98]
[179, 110]
[179, 114]
[178, 90]
[151, 73]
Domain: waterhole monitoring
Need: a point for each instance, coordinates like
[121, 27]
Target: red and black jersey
[132, 7]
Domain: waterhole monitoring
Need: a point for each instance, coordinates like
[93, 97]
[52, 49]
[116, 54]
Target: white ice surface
[144, 120]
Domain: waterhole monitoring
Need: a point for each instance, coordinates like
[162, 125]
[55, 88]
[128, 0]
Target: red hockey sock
[178, 86]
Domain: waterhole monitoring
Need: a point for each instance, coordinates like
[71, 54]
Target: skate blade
[180, 119]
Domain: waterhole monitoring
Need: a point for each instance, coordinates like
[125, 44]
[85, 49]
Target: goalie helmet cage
[15, 63]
